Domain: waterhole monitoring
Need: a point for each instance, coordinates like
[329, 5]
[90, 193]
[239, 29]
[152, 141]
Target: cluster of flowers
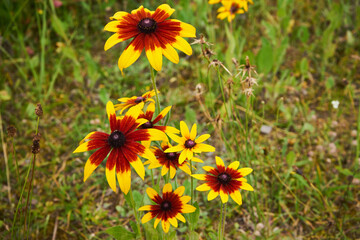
[231, 7]
[134, 129]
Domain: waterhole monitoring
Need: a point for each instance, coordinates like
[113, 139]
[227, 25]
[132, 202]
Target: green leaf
[344, 171]
[104, 95]
[307, 127]
[59, 27]
[138, 199]
[265, 57]
[120, 233]
[330, 83]
[290, 158]
[190, 115]
[194, 236]
[194, 216]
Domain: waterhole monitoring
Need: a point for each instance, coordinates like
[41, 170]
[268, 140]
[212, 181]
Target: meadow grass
[306, 169]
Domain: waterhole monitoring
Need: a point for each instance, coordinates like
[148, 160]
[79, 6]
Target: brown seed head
[38, 110]
[11, 131]
[35, 148]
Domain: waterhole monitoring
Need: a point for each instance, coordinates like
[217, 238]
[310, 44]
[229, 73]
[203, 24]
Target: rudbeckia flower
[224, 181]
[188, 144]
[122, 145]
[134, 100]
[152, 31]
[168, 208]
[168, 161]
[232, 7]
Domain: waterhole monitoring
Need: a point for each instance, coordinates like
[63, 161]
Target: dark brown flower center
[116, 139]
[139, 99]
[165, 206]
[147, 125]
[147, 25]
[234, 7]
[189, 143]
[171, 156]
[224, 178]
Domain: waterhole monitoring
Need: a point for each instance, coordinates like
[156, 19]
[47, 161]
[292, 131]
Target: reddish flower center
[165, 206]
[116, 139]
[147, 125]
[171, 156]
[147, 25]
[224, 178]
[234, 7]
[189, 143]
[139, 99]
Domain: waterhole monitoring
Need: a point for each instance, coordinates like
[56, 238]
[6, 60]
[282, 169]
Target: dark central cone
[139, 99]
[147, 125]
[189, 143]
[165, 206]
[147, 25]
[171, 155]
[116, 139]
[224, 178]
[234, 8]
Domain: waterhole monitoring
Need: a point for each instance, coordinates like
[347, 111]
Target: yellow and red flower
[122, 144]
[152, 31]
[134, 100]
[224, 181]
[168, 208]
[188, 144]
[168, 161]
[232, 7]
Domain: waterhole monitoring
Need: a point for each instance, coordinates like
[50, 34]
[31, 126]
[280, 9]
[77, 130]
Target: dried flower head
[35, 148]
[38, 110]
[11, 131]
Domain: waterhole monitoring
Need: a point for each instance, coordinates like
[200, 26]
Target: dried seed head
[35, 148]
[11, 131]
[38, 110]
[201, 41]
[235, 62]
[247, 62]
[208, 52]
[298, 170]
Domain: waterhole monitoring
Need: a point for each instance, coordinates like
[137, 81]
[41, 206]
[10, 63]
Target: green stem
[220, 222]
[358, 137]
[135, 213]
[155, 89]
[223, 220]
[16, 162]
[152, 178]
[6, 160]
[222, 91]
[191, 184]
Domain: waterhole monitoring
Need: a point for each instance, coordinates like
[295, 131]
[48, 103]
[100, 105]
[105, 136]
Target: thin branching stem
[135, 213]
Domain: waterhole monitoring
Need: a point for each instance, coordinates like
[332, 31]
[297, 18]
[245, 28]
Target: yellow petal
[182, 45]
[129, 56]
[164, 170]
[156, 222]
[219, 162]
[163, 8]
[124, 179]
[208, 168]
[111, 41]
[177, 148]
[151, 193]
[86, 137]
[172, 172]
[199, 176]
[180, 217]
[246, 186]
[185, 199]
[170, 129]
[195, 159]
[139, 168]
[212, 195]
[82, 148]
[176, 138]
[182, 156]
[201, 147]
[89, 168]
[234, 165]
[156, 135]
[118, 15]
[110, 110]
[202, 138]
[180, 191]
[147, 217]
[111, 178]
[188, 208]
[184, 130]
[145, 208]
[193, 132]
[167, 188]
[154, 55]
[203, 187]
[112, 26]
[165, 226]
[245, 171]
[189, 154]
[185, 168]
[187, 30]
[236, 196]
[173, 222]
[224, 196]
[170, 53]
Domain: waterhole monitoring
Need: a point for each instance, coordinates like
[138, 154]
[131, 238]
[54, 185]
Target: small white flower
[335, 104]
